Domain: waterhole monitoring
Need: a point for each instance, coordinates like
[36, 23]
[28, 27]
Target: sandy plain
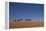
[25, 24]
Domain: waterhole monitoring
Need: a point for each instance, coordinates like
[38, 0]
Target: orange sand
[25, 24]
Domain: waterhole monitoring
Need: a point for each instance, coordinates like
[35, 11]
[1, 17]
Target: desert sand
[25, 24]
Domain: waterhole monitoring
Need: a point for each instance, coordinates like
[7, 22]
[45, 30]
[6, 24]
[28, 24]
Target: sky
[26, 11]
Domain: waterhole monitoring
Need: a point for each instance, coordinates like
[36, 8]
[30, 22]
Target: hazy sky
[26, 10]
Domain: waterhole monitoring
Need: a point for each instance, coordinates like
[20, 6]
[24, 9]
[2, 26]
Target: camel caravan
[22, 20]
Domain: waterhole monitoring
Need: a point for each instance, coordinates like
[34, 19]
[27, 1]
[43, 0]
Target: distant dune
[25, 24]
